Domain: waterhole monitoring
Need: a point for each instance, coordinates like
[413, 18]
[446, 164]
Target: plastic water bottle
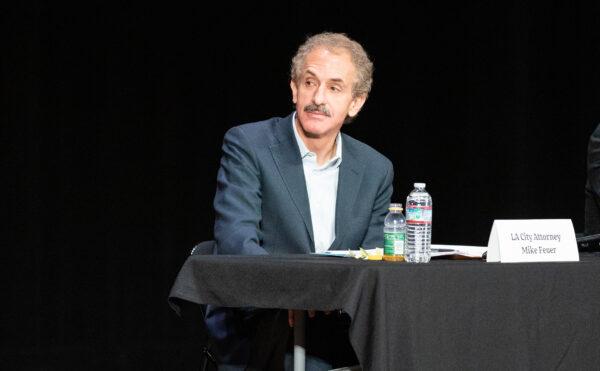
[394, 234]
[418, 225]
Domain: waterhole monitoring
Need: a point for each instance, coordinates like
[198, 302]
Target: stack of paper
[462, 250]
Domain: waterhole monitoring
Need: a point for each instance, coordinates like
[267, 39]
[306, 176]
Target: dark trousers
[257, 339]
[251, 338]
[327, 338]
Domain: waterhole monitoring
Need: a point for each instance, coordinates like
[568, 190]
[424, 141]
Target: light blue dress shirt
[321, 186]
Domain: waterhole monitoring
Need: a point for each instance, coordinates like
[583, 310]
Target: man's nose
[319, 96]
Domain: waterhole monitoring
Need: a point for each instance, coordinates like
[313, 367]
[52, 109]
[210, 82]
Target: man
[296, 184]
[592, 188]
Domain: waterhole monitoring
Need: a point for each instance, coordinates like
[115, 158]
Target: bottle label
[393, 243]
[418, 214]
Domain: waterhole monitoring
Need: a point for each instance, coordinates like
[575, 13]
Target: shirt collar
[304, 152]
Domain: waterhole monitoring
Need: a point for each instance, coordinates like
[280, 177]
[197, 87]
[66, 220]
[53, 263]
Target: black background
[113, 117]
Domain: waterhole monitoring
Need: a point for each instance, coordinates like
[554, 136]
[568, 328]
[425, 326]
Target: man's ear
[356, 105]
[294, 91]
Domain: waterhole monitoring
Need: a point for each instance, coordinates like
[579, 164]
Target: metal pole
[299, 340]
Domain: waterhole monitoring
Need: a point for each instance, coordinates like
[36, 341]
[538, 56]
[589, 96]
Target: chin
[313, 129]
[316, 121]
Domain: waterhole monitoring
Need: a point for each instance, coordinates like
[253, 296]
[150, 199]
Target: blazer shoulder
[260, 132]
[365, 152]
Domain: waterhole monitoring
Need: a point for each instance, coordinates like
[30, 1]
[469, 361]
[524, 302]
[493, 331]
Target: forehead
[329, 64]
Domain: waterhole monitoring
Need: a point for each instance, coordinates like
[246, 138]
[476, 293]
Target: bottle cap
[395, 207]
[419, 185]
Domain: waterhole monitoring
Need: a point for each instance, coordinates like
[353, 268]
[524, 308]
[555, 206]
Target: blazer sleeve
[374, 235]
[592, 187]
[593, 161]
[238, 198]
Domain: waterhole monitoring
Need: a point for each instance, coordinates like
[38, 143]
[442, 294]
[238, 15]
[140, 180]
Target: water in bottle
[394, 232]
[418, 225]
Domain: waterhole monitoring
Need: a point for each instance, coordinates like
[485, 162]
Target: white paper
[339, 253]
[359, 254]
[464, 250]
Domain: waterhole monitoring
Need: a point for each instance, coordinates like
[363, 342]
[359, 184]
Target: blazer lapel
[287, 158]
[349, 179]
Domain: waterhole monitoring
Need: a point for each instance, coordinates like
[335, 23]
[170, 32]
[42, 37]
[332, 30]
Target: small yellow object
[375, 254]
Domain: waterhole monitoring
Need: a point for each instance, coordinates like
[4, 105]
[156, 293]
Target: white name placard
[532, 240]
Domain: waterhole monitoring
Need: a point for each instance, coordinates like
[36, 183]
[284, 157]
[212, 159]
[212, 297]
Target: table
[445, 315]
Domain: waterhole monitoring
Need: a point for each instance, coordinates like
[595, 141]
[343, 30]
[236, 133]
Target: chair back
[204, 248]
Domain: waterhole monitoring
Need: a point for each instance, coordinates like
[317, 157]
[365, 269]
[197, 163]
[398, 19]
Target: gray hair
[333, 41]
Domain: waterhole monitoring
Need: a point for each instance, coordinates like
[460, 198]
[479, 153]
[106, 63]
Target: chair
[204, 248]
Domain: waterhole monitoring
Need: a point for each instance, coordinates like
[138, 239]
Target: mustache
[317, 108]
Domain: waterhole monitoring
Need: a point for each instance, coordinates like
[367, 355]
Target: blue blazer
[261, 202]
[592, 187]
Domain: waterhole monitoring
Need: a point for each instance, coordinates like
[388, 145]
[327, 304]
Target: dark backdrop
[113, 117]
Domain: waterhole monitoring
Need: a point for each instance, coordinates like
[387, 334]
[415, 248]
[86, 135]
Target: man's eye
[309, 83]
[335, 89]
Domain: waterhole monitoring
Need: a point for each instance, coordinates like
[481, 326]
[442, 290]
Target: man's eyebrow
[337, 79]
[311, 73]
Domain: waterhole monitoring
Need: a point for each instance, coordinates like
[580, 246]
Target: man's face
[323, 93]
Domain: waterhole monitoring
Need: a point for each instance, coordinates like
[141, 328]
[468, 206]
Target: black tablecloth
[450, 315]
